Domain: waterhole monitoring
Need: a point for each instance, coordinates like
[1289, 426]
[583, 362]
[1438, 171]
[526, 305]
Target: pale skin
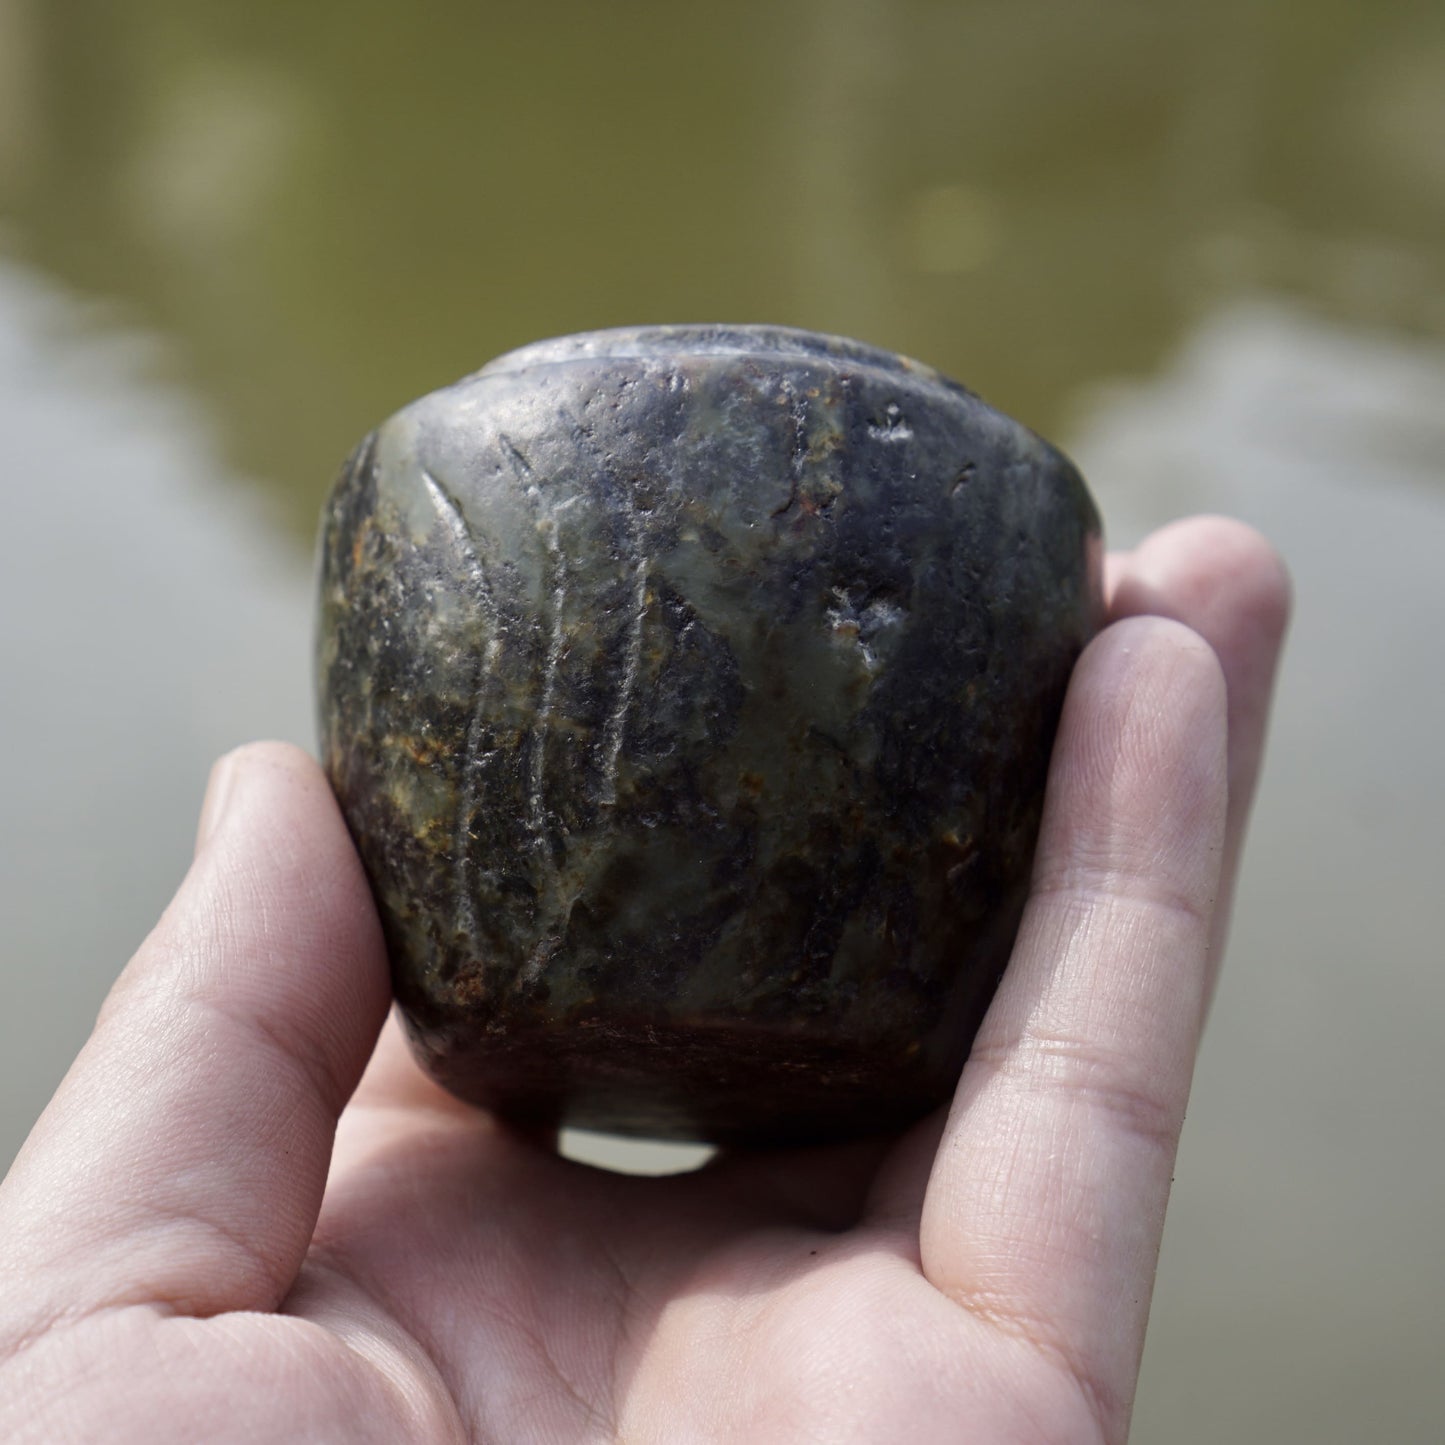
[230, 1226]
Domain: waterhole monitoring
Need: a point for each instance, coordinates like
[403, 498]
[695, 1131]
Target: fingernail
[219, 788]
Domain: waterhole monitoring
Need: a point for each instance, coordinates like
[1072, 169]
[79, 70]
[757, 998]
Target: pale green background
[1203, 247]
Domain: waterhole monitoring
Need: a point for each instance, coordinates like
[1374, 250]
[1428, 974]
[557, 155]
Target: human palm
[196, 1248]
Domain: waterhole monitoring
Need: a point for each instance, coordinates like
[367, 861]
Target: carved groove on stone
[472, 765]
[632, 661]
[547, 527]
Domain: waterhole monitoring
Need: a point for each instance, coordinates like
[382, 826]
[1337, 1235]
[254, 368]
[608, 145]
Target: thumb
[183, 1159]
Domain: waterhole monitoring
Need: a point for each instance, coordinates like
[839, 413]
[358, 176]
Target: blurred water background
[1202, 247]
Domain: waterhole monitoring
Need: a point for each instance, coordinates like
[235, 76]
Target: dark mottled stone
[689, 693]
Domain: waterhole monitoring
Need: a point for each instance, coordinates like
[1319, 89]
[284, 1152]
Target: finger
[1222, 579]
[1046, 1202]
[182, 1160]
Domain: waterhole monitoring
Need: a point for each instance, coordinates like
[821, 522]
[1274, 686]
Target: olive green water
[1204, 247]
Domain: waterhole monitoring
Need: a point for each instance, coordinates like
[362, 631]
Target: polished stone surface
[689, 693]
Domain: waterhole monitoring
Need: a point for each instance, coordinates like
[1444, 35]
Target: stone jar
[689, 694]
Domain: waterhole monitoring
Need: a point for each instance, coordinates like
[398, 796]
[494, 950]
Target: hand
[205, 1241]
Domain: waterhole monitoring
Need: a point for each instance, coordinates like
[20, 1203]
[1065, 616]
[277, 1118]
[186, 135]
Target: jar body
[689, 694]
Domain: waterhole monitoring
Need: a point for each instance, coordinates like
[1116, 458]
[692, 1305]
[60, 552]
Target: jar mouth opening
[656, 343]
